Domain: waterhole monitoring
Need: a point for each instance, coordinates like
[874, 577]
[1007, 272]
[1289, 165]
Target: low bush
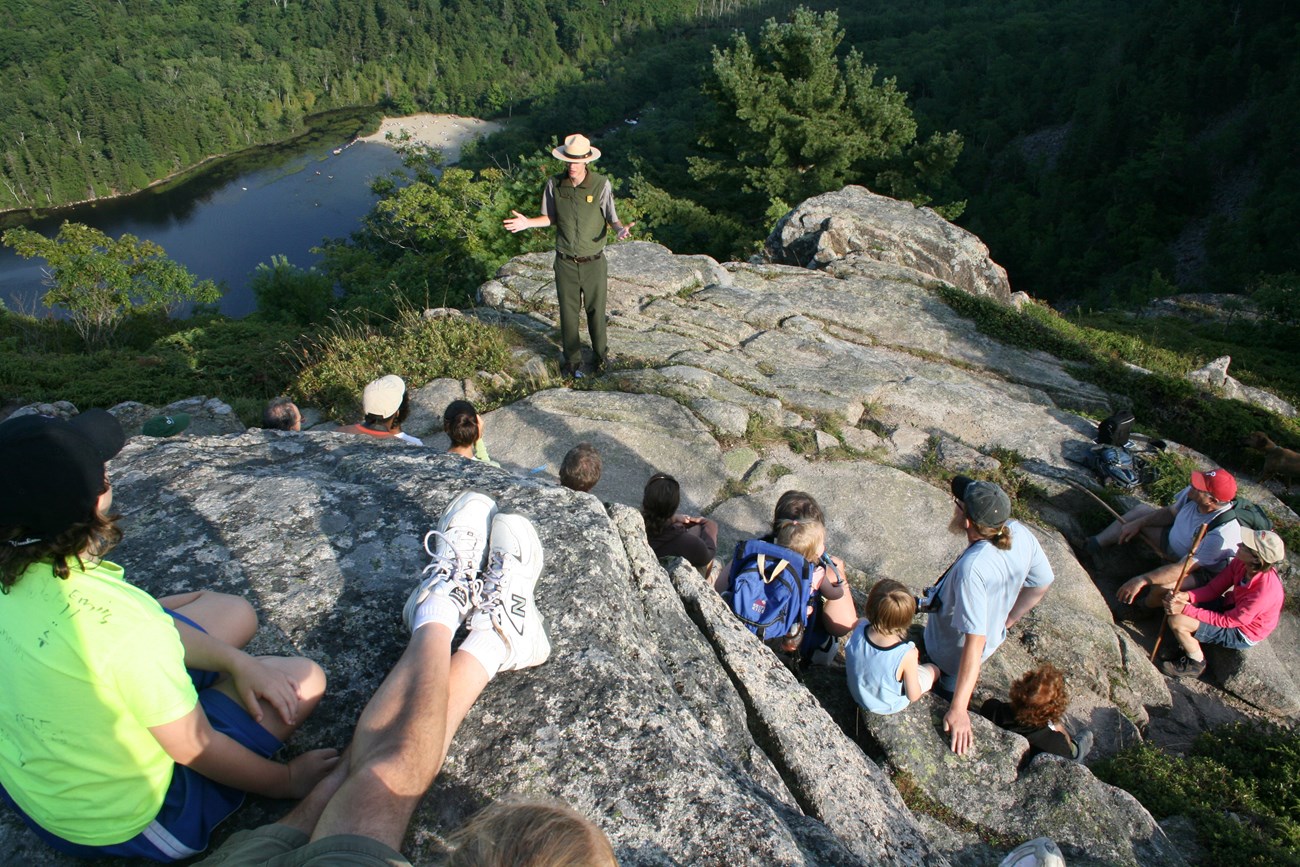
[1170, 473]
[1239, 785]
[243, 359]
[287, 293]
[334, 365]
[1169, 403]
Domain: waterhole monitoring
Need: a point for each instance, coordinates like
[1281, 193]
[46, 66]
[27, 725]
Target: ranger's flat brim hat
[576, 149]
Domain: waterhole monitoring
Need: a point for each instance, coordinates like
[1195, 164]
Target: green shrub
[1171, 472]
[335, 364]
[287, 293]
[100, 280]
[1238, 786]
[1170, 404]
[228, 358]
[1279, 296]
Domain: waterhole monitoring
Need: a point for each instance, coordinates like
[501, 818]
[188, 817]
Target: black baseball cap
[52, 471]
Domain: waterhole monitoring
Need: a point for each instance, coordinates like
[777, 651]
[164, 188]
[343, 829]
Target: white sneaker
[449, 585]
[1039, 852]
[506, 630]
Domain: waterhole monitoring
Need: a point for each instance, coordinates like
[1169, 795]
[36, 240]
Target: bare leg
[227, 618]
[402, 737]
[722, 581]
[1184, 629]
[1110, 536]
[306, 813]
[468, 678]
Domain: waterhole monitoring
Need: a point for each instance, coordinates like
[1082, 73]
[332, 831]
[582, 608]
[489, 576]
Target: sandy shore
[447, 132]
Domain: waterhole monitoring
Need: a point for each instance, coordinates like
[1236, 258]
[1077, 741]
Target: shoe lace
[453, 568]
[488, 590]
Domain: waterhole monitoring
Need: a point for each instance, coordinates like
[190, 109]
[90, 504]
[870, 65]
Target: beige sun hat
[576, 149]
[1265, 543]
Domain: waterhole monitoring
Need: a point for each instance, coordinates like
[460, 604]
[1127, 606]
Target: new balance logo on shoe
[518, 608]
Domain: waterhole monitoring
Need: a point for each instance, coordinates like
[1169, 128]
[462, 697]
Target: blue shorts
[1225, 636]
[193, 804]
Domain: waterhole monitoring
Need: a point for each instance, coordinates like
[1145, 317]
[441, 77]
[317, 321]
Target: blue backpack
[1114, 465]
[770, 588]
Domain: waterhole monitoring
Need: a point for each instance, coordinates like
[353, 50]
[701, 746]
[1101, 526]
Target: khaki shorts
[281, 846]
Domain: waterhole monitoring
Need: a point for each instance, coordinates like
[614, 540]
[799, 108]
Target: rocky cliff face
[658, 716]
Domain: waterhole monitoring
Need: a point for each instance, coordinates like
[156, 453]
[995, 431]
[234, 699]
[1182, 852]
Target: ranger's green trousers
[582, 286]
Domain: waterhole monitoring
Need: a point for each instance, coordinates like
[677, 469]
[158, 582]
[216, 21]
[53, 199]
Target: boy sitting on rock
[129, 727]
[885, 673]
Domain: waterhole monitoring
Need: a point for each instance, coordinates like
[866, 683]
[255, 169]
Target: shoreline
[446, 132]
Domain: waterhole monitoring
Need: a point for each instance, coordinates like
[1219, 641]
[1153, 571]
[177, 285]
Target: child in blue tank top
[884, 671]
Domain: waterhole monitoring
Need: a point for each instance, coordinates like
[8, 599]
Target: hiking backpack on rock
[1114, 465]
[770, 588]
[1114, 429]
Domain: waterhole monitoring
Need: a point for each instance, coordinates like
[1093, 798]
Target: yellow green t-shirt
[90, 664]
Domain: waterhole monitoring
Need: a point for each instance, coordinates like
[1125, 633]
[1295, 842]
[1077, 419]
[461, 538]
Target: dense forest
[105, 97]
[1112, 151]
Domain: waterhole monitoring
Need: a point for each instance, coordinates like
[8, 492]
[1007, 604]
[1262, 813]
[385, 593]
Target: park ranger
[580, 204]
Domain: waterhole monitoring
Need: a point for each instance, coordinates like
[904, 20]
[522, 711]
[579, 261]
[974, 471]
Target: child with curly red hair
[1037, 711]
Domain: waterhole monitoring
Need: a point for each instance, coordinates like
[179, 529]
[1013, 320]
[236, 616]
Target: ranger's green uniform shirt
[580, 213]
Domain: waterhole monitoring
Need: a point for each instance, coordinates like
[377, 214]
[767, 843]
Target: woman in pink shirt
[1237, 609]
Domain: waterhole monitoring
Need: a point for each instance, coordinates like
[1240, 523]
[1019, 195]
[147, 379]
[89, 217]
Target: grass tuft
[335, 364]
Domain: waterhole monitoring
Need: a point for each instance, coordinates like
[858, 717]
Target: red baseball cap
[1217, 483]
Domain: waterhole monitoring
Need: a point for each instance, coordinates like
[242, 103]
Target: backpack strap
[938, 585]
[1222, 518]
[829, 562]
[781, 566]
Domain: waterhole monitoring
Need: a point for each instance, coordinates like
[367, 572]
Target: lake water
[221, 224]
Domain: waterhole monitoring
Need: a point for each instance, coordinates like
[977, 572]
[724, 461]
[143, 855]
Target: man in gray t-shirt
[1172, 531]
[1000, 577]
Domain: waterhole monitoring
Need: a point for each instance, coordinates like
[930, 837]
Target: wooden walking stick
[1178, 585]
[1118, 517]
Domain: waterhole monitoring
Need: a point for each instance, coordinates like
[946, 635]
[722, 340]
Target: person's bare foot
[307, 813]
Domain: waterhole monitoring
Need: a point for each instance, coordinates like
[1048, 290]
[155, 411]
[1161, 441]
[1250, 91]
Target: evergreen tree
[793, 119]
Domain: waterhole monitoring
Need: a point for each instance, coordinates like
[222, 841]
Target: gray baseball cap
[986, 504]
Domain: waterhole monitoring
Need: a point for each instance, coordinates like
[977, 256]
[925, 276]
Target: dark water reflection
[284, 199]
